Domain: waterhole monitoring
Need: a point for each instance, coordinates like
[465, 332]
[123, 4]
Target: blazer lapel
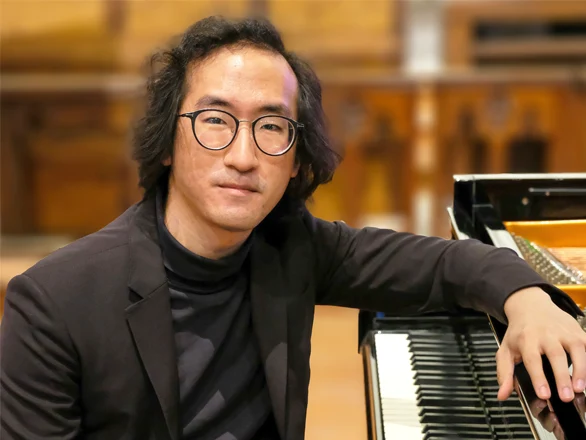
[150, 318]
[269, 317]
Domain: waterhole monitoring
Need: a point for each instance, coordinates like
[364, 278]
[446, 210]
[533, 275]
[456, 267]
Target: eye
[214, 120]
[271, 127]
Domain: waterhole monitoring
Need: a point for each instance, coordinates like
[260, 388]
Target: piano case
[434, 377]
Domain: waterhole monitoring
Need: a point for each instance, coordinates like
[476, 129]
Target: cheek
[190, 167]
[281, 171]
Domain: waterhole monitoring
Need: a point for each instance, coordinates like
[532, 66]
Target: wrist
[521, 299]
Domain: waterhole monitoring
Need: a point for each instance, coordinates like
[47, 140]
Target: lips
[248, 188]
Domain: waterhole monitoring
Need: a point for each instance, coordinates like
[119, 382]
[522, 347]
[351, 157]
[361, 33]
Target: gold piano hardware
[565, 240]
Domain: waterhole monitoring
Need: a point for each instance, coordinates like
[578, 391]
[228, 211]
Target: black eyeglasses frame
[193, 116]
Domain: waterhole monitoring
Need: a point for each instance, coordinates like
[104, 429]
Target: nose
[242, 153]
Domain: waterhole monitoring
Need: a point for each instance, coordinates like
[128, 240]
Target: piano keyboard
[437, 383]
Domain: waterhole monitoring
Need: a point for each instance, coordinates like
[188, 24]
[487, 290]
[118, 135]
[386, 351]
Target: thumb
[505, 368]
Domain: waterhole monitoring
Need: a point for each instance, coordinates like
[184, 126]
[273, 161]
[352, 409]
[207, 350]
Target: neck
[197, 235]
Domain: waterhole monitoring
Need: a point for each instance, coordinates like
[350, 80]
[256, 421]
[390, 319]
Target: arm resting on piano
[39, 384]
[405, 274]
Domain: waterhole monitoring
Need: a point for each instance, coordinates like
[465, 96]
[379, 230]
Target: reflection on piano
[434, 377]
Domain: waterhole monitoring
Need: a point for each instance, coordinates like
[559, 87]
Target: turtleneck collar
[190, 267]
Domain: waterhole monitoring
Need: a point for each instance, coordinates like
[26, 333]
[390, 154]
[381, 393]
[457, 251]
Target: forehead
[245, 77]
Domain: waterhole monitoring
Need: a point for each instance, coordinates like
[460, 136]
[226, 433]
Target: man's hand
[538, 327]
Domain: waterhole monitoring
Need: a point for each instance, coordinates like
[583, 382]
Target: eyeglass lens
[215, 130]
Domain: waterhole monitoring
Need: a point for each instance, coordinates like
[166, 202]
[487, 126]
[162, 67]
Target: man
[190, 315]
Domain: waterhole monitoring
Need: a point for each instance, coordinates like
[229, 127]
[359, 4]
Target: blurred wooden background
[72, 73]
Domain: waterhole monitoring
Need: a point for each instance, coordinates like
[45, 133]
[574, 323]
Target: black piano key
[452, 370]
[505, 415]
[453, 409]
[432, 356]
[436, 363]
[447, 338]
[514, 431]
[477, 431]
[441, 434]
[453, 419]
[443, 392]
[455, 381]
[514, 408]
[510, 416]
[431, 335]
[482, 352]
[467, 435]
[470, 428]
[455, 422]
[460, 360]
[485, 366]
[427, 401]
[439, 351]
[510, 419]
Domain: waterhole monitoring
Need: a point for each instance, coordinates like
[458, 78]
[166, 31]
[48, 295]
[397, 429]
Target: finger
[578, 355]
[534, 366]
[505, 367]
[559, 363]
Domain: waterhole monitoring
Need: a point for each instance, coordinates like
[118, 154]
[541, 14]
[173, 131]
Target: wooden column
[425, 191]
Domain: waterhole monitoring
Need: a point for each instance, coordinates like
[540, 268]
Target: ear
[167, 161]
[295, 169]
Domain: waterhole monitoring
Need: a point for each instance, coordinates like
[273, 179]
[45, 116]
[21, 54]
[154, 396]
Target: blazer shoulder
[325, 232]
[324, 237]
[101, 245]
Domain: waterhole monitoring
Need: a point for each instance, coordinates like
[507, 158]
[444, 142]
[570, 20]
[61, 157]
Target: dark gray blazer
[87, 344]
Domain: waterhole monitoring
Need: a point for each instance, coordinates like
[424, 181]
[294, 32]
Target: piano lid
[483, 203]
[523, 197]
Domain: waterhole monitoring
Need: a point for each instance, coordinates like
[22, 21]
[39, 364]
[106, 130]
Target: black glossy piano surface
[434, 377]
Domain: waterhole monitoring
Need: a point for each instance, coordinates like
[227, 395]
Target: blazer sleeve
[39, 388]
[405, 274]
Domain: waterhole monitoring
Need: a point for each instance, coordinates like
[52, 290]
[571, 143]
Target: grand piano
[434, 376]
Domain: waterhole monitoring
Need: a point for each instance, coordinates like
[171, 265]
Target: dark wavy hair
[154, 134]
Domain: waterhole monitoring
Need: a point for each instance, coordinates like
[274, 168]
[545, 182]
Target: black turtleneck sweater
[222, 387]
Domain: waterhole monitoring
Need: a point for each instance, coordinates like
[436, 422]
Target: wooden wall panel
[40, 17]
[56, 35]
[501, 112]
[79, 203]
[152, 24]
[14, 165]
[69, 158]
[78, 180]
[372, 127]
[571, 130]
[120, 34]
[461, 16]
[339, 32]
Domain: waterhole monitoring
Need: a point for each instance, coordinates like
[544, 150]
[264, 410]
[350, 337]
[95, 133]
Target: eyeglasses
[274, 135]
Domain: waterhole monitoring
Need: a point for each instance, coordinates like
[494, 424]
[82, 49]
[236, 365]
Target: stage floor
[336, 394]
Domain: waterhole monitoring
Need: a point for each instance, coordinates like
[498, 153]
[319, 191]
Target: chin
[237, 220]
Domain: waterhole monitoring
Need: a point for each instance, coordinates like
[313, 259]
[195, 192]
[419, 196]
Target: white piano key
[397, 389]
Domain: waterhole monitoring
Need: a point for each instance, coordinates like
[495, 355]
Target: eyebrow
[215, 101]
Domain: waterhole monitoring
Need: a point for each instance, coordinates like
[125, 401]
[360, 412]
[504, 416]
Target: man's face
[248, 83]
